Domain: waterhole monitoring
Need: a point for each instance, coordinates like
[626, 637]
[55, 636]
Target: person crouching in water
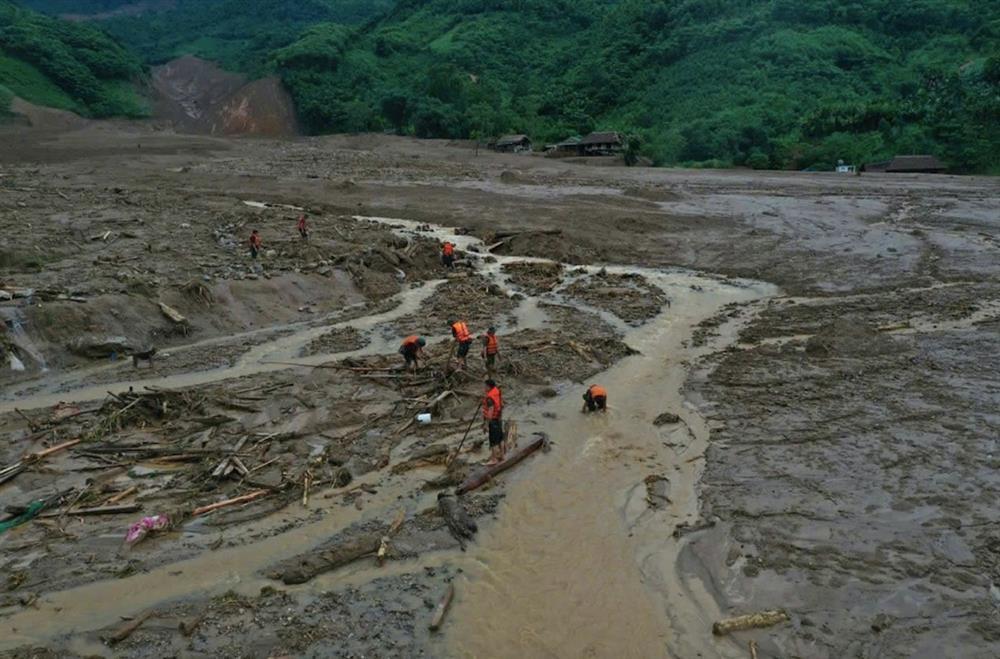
[493, 421]
[595, 399]
[412, 349]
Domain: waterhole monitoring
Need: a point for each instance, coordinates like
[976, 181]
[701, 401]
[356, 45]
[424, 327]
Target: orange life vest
[411, 341]
[461, 332]
[448, 249]
[492, 344]
[493, 405]
[598, 392]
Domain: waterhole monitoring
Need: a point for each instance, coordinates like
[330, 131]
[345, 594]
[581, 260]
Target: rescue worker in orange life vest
[256, 243]
[595, 399]
[448, 255]
[463, 337]
[491, 351]
[412, 349]
[493, 421]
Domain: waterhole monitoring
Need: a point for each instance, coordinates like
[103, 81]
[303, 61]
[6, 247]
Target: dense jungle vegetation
[66, 65]
[759, 83]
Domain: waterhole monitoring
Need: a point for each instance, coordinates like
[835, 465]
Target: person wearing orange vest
[412, 349]
[491, 350]
[463, 337]
[595, 399]
[256, 243]
[448, 255]
[303, 227]
[493, 421]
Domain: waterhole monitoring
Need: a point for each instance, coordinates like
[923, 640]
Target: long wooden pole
[458, 451]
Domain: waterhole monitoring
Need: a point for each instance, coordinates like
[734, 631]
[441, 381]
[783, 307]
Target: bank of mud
[832, 452]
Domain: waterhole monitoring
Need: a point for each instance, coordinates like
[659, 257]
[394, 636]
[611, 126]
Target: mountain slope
[765, 83]
[63, 65]
[238, 34]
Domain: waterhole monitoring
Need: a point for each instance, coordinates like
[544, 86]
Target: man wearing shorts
[493, 421]
[463, 337]
[491, 350]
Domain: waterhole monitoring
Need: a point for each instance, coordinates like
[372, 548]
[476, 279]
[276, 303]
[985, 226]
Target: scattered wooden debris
[10, 472]
[750, 621]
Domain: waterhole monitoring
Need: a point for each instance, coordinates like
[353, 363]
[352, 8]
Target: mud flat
[803, 392]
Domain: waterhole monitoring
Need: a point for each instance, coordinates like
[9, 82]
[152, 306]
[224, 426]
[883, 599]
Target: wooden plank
[441, 610]
[749, 621]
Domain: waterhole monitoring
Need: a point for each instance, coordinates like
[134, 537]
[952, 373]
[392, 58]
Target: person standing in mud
[412, 349]
[463, 338]
[303, 227]
[448, 255]
[596, 398]
[493, 421]
[256, 243]
[491, 351]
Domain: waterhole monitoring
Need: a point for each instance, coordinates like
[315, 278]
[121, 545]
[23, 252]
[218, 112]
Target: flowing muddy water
[577, 563]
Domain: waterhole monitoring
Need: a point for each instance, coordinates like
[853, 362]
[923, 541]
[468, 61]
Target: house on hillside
[513, 144]
[565, 149]
[907, 165]
[601, 144]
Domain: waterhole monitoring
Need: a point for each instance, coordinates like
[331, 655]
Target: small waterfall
[15, 326]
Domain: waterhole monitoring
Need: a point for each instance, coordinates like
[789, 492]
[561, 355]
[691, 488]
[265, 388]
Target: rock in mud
[97, 347]
[657, 491]
[461, 526]
[666, 419]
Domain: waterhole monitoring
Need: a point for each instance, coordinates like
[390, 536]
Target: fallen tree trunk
[308, 566]
[477, 480]
[749, 621]
[441, 610]
[501, 235]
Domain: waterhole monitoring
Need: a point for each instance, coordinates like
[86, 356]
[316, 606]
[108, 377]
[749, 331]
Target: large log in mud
[460, 524]
[480, 478]
[308, 566]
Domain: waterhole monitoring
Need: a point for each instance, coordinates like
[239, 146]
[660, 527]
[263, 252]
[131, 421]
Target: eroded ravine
[574, 565]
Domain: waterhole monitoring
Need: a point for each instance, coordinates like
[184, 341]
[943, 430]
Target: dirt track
[832, 359]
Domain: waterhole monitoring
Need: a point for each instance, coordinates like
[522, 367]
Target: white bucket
[424, 418]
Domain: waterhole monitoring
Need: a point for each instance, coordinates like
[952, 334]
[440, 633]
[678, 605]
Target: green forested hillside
[238, 34]
[765, 83]
[65, 65]
[760, 83]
